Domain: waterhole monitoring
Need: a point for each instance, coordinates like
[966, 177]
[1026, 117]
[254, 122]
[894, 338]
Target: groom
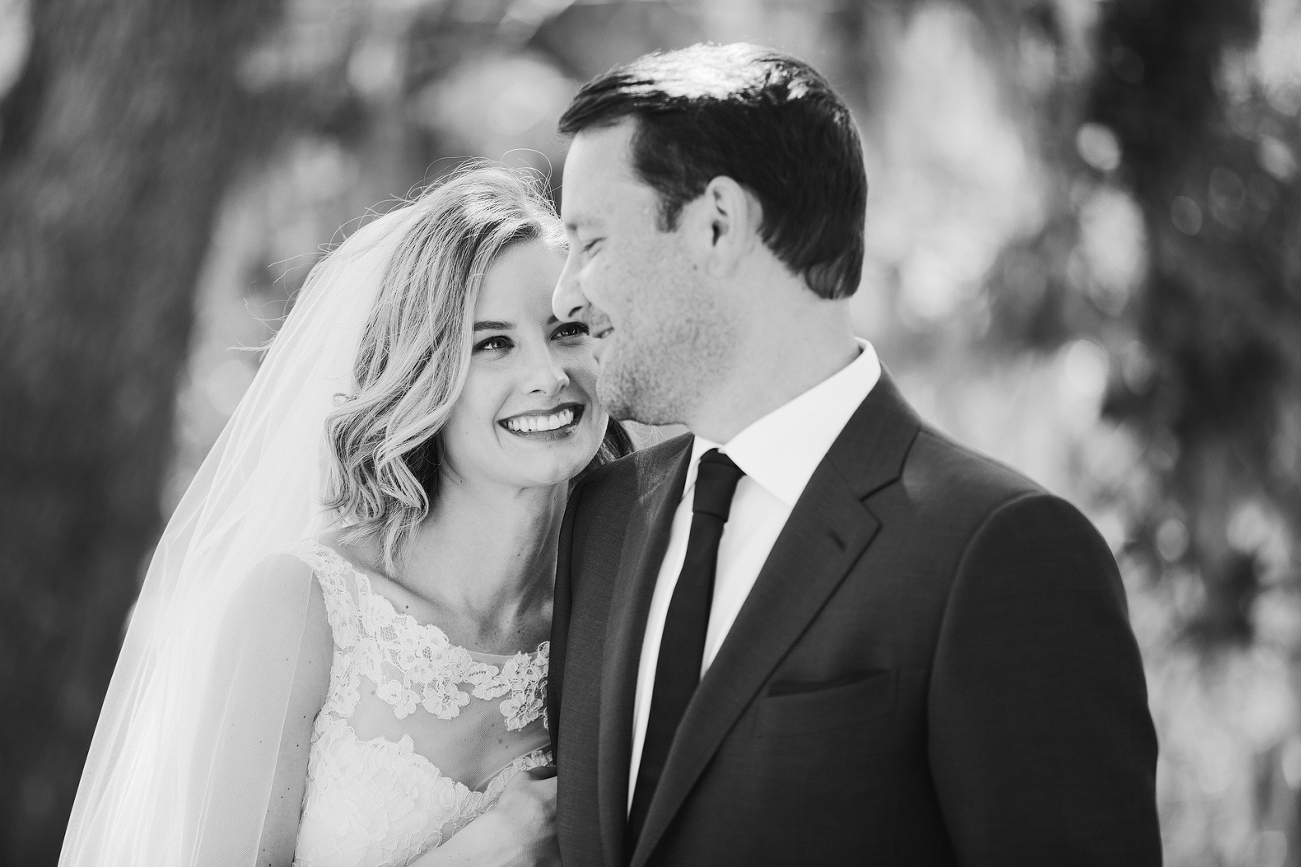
[816, 630]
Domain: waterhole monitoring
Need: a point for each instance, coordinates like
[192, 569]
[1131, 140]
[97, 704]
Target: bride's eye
[493, 344]
[570, 329]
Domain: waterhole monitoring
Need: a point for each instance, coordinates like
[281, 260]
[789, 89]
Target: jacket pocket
[790, 708]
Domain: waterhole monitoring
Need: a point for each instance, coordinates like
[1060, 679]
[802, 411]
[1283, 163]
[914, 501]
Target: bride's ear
[723, 225]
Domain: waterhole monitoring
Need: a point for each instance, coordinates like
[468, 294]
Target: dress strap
[337, 578]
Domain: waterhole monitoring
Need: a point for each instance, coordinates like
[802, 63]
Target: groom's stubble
[675, 327]
[675, 346]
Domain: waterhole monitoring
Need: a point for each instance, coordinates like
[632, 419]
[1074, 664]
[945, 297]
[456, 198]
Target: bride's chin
[556, 461]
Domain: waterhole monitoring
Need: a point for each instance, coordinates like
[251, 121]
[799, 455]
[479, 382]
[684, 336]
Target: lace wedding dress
[417, 737]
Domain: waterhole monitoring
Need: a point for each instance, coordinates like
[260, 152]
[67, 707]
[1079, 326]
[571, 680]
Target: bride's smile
[561, 420]
[527, 415]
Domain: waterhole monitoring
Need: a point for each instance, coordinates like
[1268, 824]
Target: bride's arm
[520, 831]
[311, 683]
[278, 637]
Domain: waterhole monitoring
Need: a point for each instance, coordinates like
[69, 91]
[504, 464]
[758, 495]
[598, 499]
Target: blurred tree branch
[1214, 322]
[1220, 311]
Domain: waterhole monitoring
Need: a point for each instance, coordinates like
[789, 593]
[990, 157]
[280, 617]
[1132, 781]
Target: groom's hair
[764, 119]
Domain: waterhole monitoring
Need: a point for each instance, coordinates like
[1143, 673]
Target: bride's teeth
[533, 423]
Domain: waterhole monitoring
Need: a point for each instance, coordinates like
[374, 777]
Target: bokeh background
[1084, 257]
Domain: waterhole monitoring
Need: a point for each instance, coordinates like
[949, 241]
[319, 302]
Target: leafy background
[1084, 257]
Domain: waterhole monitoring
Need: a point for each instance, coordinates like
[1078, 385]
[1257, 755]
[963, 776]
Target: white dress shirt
[778, 454]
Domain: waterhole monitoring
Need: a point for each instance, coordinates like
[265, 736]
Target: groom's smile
[639, 285]
[600, 328]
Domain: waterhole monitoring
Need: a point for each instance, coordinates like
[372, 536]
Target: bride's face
[528, 415]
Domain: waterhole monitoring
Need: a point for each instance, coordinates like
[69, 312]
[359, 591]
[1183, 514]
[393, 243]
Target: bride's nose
[553, 382]
[545, 375]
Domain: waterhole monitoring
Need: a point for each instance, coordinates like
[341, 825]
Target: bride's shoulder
[321, 574]
[311, 573]
[326, 556]
[282, 581]
[342, 552]
[281, 617]
[281, 595]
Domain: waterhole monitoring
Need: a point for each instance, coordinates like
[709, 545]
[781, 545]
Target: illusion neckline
[405, 748]
[438, 636]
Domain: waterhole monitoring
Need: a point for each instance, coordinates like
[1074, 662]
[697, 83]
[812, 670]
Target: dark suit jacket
[934, 667]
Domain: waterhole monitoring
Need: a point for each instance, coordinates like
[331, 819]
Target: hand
[527, 809]
[520, 831]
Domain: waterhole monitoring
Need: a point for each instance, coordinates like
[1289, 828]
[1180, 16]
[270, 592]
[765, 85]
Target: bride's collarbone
[487, 633]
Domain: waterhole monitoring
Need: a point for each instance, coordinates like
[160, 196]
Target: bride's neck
[486, 548]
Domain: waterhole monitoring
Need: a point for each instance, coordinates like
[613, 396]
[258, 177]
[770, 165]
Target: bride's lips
[549, 424]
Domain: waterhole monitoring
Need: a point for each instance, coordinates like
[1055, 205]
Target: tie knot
[716, 479]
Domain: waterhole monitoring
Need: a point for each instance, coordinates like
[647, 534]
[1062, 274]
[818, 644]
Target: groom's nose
[567, 301]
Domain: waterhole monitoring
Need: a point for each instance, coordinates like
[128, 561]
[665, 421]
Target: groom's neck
[789, 343]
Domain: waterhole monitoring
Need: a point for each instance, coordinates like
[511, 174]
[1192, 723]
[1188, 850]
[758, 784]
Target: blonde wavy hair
[414, 353]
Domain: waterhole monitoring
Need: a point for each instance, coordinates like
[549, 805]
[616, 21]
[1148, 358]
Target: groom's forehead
[598, 174]
[597, 206]
[601, 155]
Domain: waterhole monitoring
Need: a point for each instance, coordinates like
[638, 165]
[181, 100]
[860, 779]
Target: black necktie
[682, 647]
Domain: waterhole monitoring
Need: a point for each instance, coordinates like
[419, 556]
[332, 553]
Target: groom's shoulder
[634, 473]
[942, 468]
[953, 496]
[934, 474]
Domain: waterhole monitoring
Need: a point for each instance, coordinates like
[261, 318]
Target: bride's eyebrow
[503, 325]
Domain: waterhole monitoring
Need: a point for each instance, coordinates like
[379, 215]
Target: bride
[339, 653]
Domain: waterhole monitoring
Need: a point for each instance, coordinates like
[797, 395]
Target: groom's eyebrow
[578, 221]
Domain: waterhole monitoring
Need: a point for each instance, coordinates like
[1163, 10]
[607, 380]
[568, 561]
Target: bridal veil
[181, 765]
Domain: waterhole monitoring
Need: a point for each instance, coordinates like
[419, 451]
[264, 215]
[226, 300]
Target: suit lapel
[648, 537]
[826, 534]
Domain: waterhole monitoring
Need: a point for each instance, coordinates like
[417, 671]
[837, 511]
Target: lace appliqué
[415, 664]
[379, 803]
[525, 676]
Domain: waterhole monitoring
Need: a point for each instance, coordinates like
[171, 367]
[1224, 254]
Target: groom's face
[660, 328]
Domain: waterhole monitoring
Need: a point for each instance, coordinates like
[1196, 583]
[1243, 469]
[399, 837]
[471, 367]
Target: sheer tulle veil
[181, 764]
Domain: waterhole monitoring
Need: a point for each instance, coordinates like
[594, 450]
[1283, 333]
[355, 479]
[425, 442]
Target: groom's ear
[723, 224]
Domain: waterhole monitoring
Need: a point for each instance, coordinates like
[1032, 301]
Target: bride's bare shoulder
[278, 572]
[363, 554]
[282, 586]
[279, 618]
[294, 566]
[279, 611]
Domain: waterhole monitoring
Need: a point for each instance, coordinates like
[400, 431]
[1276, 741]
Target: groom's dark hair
[764, 119]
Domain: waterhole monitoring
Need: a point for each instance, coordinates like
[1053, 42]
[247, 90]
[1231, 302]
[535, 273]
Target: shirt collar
[781, 450]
